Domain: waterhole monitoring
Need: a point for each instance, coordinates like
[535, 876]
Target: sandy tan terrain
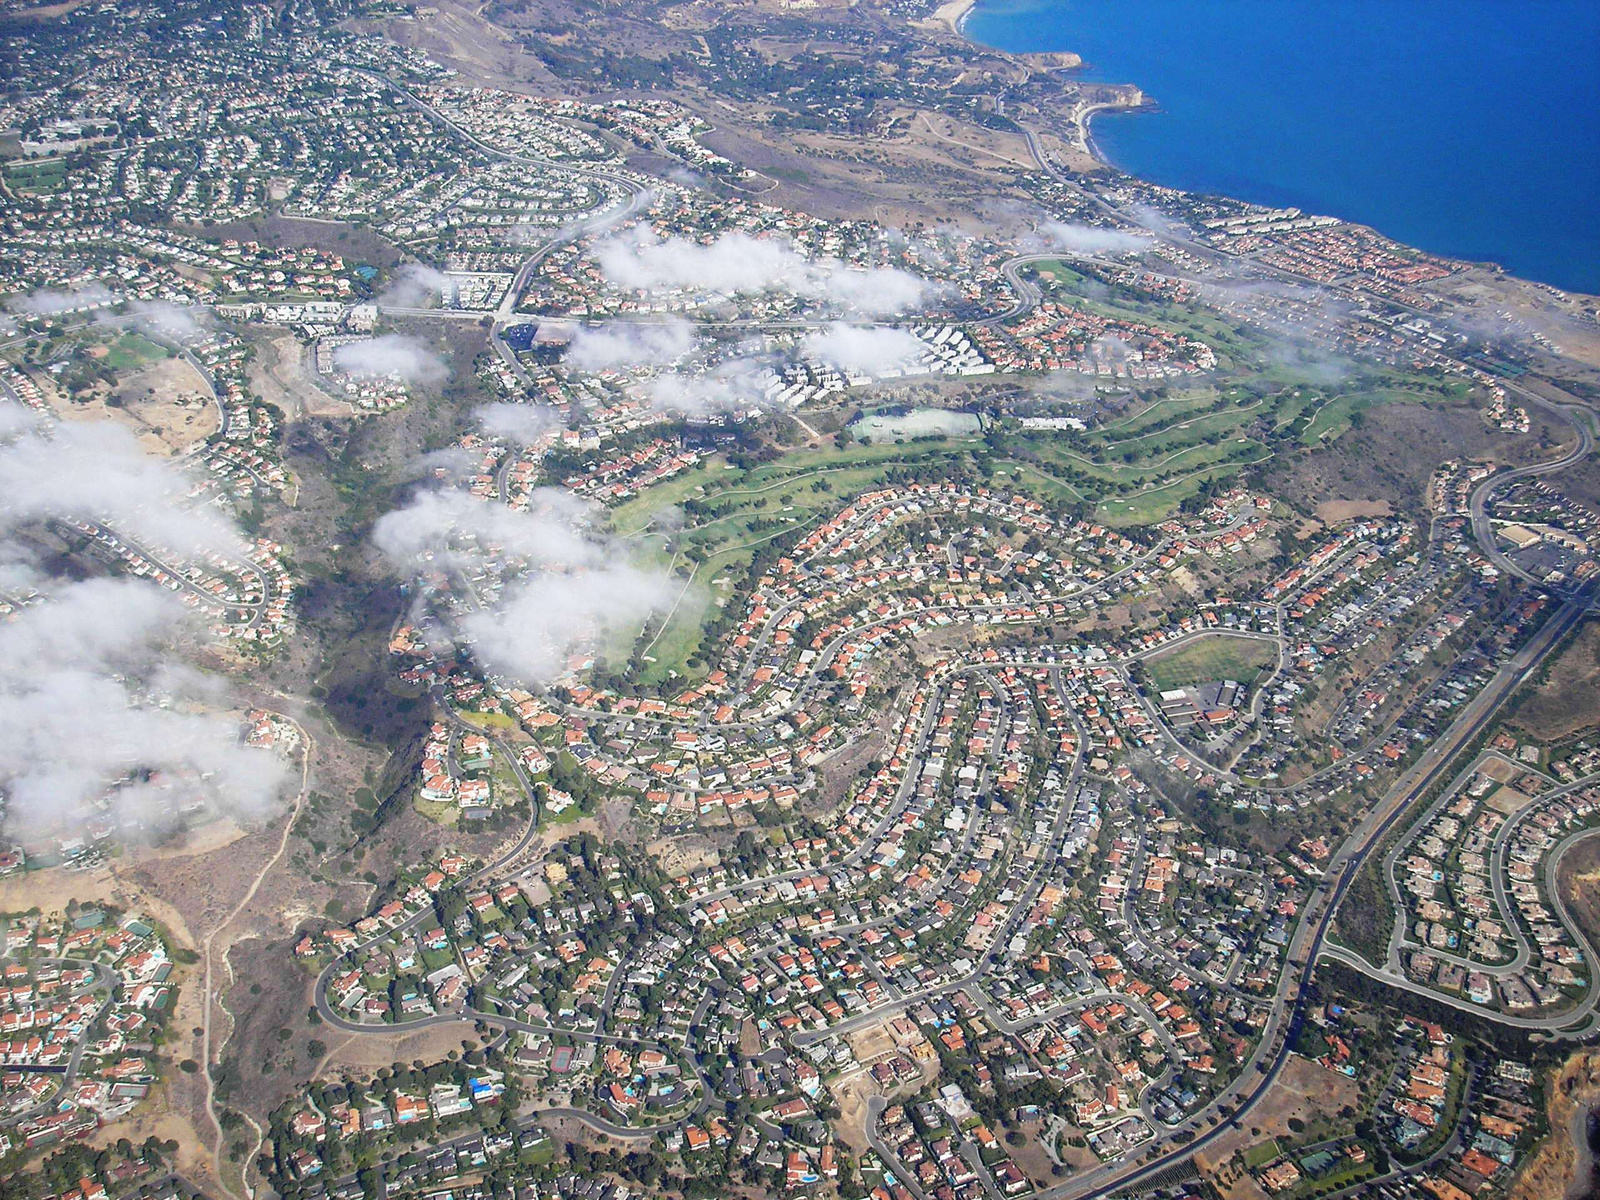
[281, 373]
[950, 14]
[166, 404]
[363, 1053]
[1333, 511]
[1552, 1170]
[1568, 699]
[1305, 1091]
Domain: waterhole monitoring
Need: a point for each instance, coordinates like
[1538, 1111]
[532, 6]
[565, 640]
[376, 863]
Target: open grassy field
[1207, 659]
[1157, 463]
[1177, 423]
[1157, 413]
[39, 176]
[1158, 501]
[496, 721]
[678, 639]
[1261, 1153]
[134, 350]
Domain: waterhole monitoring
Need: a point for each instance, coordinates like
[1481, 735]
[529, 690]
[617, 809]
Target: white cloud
[163, 317]
[390, 354]
[735, 262]
[738, 262]
[551, 615]
[89, 702]
[100, 717]
[414, 285]
[615, 344]
[455, 528]
[877, 290]
[737, 384]
[1111, 348]
[523, 424]
[1093, 239]
[97, 472]
[48, 302]
[862, 349]
[569, 582]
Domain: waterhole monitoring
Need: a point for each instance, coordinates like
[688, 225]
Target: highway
[1309, 941]
[638, 199]
[1287, 1012]
[1582, 1019]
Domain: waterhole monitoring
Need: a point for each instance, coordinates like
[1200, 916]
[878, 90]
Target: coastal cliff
[1052, 60]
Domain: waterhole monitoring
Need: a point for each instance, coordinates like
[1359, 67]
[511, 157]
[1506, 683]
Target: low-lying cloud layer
[166, 319]
[48, 302]
[1092, 239]
[613, 345]
[737, 262]
[390, 354]
[862, 349]
[89, 702]
[574, 583]
[414, 286]
[100, 720]
[739, 383]
[97, 472]
[520, 424]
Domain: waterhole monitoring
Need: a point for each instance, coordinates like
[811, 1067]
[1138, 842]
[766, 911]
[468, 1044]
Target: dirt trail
[1562, 1165]
[208, 958]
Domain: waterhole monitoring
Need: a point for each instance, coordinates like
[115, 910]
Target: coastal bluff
[1051, 60]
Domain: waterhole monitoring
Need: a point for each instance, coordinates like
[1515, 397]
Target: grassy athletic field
[1211, 658]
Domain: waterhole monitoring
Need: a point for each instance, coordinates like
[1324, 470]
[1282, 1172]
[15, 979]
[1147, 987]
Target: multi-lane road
[1173, 1144]
[1309, 942]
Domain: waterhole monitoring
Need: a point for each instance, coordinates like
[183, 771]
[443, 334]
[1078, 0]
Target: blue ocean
[1466, 127]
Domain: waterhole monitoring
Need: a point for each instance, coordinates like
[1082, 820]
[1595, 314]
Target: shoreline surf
[1391, 167]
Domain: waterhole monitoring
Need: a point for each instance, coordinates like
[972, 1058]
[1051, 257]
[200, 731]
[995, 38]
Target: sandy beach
[952, 13]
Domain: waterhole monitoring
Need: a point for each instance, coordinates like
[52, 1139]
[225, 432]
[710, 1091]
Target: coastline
[1458, 242]
[953, 15]
[1083, 125]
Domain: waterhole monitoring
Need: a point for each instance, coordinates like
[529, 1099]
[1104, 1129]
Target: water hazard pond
[891, 424]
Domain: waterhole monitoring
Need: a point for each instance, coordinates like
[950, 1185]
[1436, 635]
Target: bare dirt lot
[1331, 512]
[1568, 699]
[361, 1054]
[1304, 1092]
[852, 1094]
[1579, 881]
[1393, 454]
[278, 372]
[165, 403]
[117, 882]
